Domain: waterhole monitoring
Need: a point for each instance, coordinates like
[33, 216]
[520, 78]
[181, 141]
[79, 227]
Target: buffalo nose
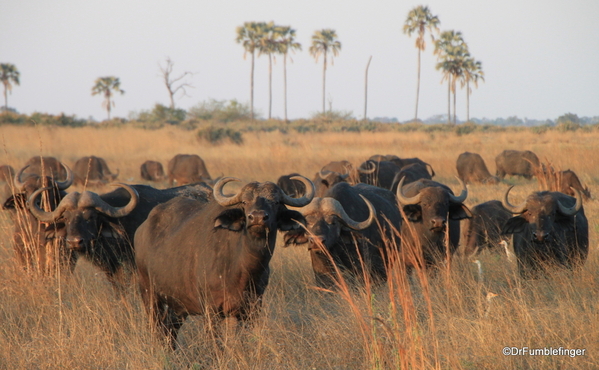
[540, 236]
[257, 217]
[437, 223]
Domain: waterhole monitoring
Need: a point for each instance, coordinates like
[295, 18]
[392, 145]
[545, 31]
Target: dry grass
[79, 322]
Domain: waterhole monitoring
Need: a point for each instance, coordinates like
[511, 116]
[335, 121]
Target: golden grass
[79, 322]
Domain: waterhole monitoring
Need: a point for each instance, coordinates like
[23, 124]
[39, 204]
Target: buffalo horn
[222, 199]
[323, 174]
[298, 202]
[17, 179]
[42, 215]
[100, 205]
[510, 207]
[367, 171]
[570, 211]
[463, 195]
[62, 185]
[402, 198]
[339, 211]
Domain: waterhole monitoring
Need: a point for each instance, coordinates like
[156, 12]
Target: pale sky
[540, 58]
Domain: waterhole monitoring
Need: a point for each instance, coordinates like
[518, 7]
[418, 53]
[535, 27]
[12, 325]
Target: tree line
[267, 38]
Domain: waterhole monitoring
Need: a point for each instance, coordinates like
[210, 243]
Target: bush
[160, 114]
[221, 111]
[216, 135]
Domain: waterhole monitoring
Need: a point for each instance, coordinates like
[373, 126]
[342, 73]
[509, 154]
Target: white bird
[510, 255]
[479, 265]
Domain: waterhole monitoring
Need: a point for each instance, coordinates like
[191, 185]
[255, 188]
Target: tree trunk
[366, 88]
[449, 99]
[5, 98]
[285, 84]
[170, 93]
[269, 86]
[417, 87]
[467, 100]
[324, 74]
[454, 99]
[252, 89]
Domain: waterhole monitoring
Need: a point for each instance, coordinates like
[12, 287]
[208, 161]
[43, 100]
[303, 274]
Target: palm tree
[419, 20]
[287, 43]
[268, 45]
[452, 52]
[324, 42]
[473, 71]
[107, 86]
[9, 74]
[249, 35]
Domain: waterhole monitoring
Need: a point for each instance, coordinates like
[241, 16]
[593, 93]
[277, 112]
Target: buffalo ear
[287, 220]
[413, 212]
[459, 212]
[230, 219]
[514, 225]
[325, 183]
[297, 236]
[15, 201]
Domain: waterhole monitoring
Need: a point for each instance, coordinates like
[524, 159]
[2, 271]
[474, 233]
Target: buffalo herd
[196, 249]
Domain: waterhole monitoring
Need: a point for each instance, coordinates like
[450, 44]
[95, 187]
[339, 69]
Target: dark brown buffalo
[325, 179]
[93, 171]
[186, 169]
[483, 230]
[433, 215]
[152, 171]
[412, 172]
[45, 166]
[7, 173]
[568, 181]
[517, 163]
[403, 162]
[550, 230]
[294, 188]
[101, 227]
[472, 168]
[38, 246]
[345, 232]
[197, 257]
[379, 174]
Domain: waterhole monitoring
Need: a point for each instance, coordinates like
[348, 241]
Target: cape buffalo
[196, 257]
[93, 171]
[550, 229]
[186, 169]
[294, 188]
[38, 246]
[101, 227]
[517, 163]
[412, 172]
[325, 179]
[379, 174]
[483, 230]
[152, 171]
[471, 168]
[403, 162]
[46, 166]
[345, 232]
[433, 214]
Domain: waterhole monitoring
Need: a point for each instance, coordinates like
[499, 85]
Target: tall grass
[446, 321]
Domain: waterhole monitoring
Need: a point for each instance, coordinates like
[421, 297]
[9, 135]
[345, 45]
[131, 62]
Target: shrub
[221, 110]
[216, 135]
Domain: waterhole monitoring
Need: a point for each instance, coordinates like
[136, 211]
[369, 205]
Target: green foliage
[216, 135]
[160, 114]
[43, 119]
[221, 111]
[568, 122]
[333, 115]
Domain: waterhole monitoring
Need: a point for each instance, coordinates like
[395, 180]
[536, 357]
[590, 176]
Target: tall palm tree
[473, 71]
[452, 52]
[107, 86]
[419, 20]
[268, 45]
[249, 35]
[324, 42]
[287, 43]
[9, 74]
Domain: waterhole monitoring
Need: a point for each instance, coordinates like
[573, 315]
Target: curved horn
[432, 172]
[62, 185]
[323, 175]
[367, 171]
[39, 213]
[339, 211]
[17, 179]
[570, 211]
[100, 204]
[222, 199]
[463, 195]
[514, 209]
[402, 198]
[303, 201]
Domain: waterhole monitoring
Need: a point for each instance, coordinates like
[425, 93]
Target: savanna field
[79, 321]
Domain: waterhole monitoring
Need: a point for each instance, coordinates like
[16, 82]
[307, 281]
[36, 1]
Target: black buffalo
[379, 174]
[325, 179]
[550, 230]
[433, 214]
[152, 171]
[472, 168]
[412, 172]
[38, 245]
[403, 162]
[483, 230]
[93, 171]
[345, 232]
[186, 169]
[101, 227]
[197, 257]
[45, 166]
[517, 163]
[294, 188]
